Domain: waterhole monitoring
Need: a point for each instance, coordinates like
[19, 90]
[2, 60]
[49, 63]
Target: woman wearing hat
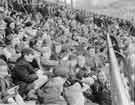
[101, 90]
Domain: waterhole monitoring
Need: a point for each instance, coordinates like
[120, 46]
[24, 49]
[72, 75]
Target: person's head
[46, 52]
[13, 14]
[61, 70]
[20, 18]
[91, 51]
[102, 77]
[28, 24]
[39, 43]
[58, 48]
[18, 48]
[3, 68]
[15, 41]
[12, 25]
[81, 61]
[28, 54]
[73, 60]
[1, 12]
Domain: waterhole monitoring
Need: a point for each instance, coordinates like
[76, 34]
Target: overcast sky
[87, 3]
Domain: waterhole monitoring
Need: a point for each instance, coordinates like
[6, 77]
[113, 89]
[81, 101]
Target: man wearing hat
[26, 73]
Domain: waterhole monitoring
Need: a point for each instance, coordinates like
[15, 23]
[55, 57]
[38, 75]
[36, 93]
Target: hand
[13, 90]
[36, 69]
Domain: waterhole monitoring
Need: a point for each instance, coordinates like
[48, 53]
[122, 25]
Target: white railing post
[119, 95]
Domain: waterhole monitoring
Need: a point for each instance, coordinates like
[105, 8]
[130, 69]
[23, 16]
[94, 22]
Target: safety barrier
[119, 93]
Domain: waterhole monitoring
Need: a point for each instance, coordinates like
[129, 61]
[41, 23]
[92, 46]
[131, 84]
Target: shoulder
[21, 62]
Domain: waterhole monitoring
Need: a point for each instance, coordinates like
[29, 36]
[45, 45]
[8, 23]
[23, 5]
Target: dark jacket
[24, 71]
[102, 95]
[24, 76]
[8, 31]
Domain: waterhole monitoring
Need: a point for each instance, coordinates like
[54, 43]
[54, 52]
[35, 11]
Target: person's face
[20, 31]
[102, 77]
[59, 21]
[21, 20]
[46, 53]
[3, 68]
[12, 25]
[108, 85]
[81, 62]
[52, 32]
[58, 49]
[1, 16]
[29, 57]
[39, 43]
[15, 41]
[73, 62]
[92, 51]
[14, 16]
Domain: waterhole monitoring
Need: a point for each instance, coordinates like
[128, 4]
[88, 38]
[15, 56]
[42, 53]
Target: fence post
[72, 4]
[119, 95]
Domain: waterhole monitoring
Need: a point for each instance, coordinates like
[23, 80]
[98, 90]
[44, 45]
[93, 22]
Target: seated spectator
[45, 61]
[101, 90]
[5, 85]
[9, 32]
[24, 73]
[27, 72]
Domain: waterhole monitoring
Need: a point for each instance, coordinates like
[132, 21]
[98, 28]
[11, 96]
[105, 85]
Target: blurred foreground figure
[101, 90]
[8, 93]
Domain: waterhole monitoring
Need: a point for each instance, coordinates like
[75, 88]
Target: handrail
[119, 96]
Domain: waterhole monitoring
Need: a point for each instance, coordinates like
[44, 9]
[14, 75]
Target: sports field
[117, 8]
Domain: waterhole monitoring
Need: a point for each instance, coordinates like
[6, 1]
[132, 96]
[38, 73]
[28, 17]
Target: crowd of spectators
[57, 55]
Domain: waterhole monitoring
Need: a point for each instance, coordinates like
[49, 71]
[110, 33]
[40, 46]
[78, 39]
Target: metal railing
[119, 93]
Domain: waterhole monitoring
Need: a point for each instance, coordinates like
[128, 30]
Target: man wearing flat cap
[26, 75]
[24, 72]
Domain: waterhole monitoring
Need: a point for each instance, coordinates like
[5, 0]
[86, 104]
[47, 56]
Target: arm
[45, 62]
[3, 88]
